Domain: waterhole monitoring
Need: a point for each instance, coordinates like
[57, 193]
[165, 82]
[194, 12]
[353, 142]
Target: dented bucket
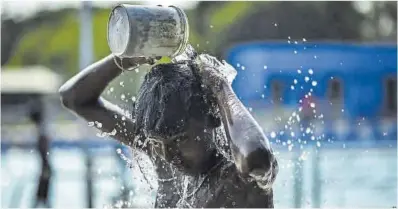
[150, 31]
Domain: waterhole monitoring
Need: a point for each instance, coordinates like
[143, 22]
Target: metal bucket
[150, 31]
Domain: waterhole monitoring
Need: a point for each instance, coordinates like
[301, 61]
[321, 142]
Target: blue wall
[361, 68]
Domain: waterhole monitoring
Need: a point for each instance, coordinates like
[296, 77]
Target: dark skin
[252, 155]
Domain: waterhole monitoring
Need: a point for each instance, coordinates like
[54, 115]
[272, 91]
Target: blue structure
[360, 80]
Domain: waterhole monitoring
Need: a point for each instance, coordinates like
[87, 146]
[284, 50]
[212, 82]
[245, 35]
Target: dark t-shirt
[220, 186]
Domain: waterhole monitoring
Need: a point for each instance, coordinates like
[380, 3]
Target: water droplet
[123, 97]
[111, 89]
[314, 83]
[133, 98]
[123, 118]
[315, 57]
[265, 67]
[262, 96]
[250, 109]
[299, 71]
[295, 42]
[304, 39]
[292, 134]
[318, 143]
[289, 142]
[121, 83]
[288, 37]
[310, 71]
[312, 104]
[312, 138]
[211, 26]
[119, 151]
[295, 51]
[295, 81]
[306, 78]
[90, 124]
[243, 67]
[342, 110]
[288, 42]
[273, 134]
[292, 87]
[99, 125]
[276, 24]
[137, 70]
[238, 65]
[307, 130]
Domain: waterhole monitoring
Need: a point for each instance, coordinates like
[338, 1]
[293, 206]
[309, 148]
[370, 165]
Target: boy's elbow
[67, 98]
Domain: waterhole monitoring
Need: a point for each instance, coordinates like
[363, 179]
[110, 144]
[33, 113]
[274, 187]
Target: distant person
[179, 112]
[307, 111]
[36, 116]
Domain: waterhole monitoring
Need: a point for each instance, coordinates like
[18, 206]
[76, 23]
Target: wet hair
[170, 98]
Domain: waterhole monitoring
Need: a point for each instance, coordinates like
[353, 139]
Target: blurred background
[320, 77]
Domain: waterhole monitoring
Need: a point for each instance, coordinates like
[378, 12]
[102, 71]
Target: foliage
[54, 41]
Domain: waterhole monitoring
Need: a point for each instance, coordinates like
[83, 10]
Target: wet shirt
[222, 186]
[219, 186]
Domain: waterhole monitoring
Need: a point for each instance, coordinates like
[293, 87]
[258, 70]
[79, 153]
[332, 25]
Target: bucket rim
[123, 6]
[185, 26]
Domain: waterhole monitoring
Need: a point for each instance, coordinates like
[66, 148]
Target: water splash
[273, 134]
[314, 83]
[98, 124]
[105, 134]
[188, 54]
[225, 69]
